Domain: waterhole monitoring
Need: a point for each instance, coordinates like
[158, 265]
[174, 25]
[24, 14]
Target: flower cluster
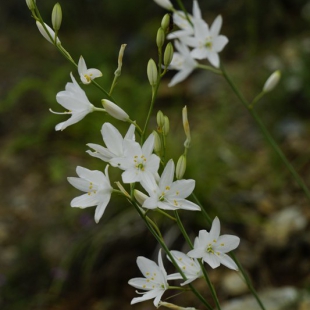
[209, 246]
[195, 40]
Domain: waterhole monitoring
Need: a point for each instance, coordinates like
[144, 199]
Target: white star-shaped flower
[182, 61]
[97, 186]
[87, 75]
[212, 247]
[168, 195]
[154, 281]
[74, 99]
[139, 162]
[114, 143]
[186, 28]
[189, 266]
[207, 42]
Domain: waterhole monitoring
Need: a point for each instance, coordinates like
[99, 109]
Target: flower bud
[181, 167]
[160, 119]
[166, 126]
[165, 22]
[160, 38]
[186, 128]
[114, 110]
[166, 4]
[152, 72]
[56, 16]
[120, 60]
[272, 81]
[168, 55]
[157, 143]
[31, 4]
[140, 197]
[49, 31]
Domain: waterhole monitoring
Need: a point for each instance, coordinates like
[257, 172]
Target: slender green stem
[247, 280]
[209, 68]
[267, 135]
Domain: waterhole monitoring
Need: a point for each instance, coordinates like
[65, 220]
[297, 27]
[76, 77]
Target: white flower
[207, 42]
[138, 163]
[155, 281]
[49, 34]
[189, 266]
[87, 75]
[183, 62]
[114, 143]
[166, 4]
[97, 186]
[212, 247]
[169, 195]
[75, 101]
[186, 28]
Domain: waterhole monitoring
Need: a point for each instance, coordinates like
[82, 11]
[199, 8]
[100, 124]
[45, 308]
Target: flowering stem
[209, 68]
[247, 280]
[243, 272]
[185, 235]
[160, 240]
[267, 135]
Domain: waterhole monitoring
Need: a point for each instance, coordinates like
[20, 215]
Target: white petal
[215, 229]
[82, 66]
[101, 207]
[84, 201]
[214, 59]
[212, 259]
[167, 175]
[196, 10]
[93, 73]
[228, 262]
[229, 242]
[219, 43]
[216, 26]
[112, 138]
[131, 175]
[148, 145]
[79, 183]
[182, 188]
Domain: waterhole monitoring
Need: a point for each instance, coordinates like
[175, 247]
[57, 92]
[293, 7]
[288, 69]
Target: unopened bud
[56, 17]
[272, 81]
[160, 38]
[140, 197]
[168, 55]
[114, 110]
[165, 22]
[48, 34]
[122, 189]
[152, 72]
[160, 119]
[186, 128]
[166, 126]
[181, 167]
[118, 71]
[31, 4]
[166, 4]
[157, 143]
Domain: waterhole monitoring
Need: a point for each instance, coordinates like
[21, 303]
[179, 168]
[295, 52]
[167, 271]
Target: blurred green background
[56, 257]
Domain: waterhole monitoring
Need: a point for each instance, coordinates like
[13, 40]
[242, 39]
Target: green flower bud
[31, 4]
[160, 119]
[168, 54]
[56, 16]
[186, 128]
[157, 143]
[152, 72]
[166, 126]
[181, 167]
[165, 22]
[160, 38]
